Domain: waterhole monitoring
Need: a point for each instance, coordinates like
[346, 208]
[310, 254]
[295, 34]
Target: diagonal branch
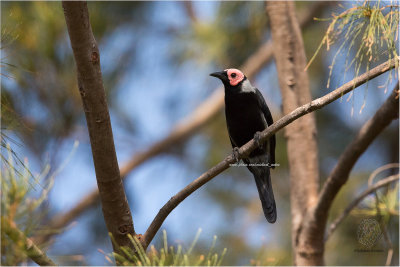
[340, 174]
[22, 241]
[357, 200]
[116, 211]
[246, 149]
[183, 129]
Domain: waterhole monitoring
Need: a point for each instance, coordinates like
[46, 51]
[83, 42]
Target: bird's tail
[263, 181]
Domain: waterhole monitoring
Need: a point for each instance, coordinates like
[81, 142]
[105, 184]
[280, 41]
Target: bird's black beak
[220, 75]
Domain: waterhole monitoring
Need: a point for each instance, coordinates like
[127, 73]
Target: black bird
[247, 115]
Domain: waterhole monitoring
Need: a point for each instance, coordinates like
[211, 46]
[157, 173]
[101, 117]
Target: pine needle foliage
[23, 197]
[387, 203]
[366, 33]
[8, 36]
[167, 255]
[9, 119]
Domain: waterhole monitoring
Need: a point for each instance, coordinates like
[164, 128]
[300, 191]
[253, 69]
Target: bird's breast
[244, 118]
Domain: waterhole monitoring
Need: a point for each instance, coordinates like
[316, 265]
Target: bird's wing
[230, 138]
[268, 117]
[233, 143]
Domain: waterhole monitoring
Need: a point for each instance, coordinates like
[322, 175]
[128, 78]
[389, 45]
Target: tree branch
[340, 174]
[115, 206]
[357, 200]
[314, 223]
[375, 173]
[19, 238]
[181, 131]
[246, 149]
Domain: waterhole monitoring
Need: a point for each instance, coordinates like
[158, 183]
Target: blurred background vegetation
[155, 58]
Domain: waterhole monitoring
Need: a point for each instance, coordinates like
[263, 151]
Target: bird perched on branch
[247, 115]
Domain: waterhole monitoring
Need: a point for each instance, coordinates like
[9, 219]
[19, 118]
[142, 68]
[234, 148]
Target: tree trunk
[115, 206]
[300, 135]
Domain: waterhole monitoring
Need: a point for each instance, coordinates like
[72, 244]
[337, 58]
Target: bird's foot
[257, 138]
[236, 154]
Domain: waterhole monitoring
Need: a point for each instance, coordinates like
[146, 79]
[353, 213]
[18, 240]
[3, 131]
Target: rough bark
[115, 206]
[300, 136]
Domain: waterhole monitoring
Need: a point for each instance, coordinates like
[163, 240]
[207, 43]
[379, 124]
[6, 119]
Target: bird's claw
[257, 138]
[236, 154]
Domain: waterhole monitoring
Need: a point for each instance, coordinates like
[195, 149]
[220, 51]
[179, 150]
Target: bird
[247, 114]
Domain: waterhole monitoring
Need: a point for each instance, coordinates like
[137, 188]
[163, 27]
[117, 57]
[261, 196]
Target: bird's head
[230, 77]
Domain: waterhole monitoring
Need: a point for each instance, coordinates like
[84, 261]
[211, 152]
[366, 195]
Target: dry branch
[26, 244]
[340, 174]
[314, 223]
[246, 149]
[357, 200]
[115, 206]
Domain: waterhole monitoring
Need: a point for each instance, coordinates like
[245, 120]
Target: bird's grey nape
[247, 87]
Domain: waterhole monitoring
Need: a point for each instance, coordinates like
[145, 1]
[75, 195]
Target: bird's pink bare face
[235, 76]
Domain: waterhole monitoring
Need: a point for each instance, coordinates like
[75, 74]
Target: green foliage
[8, 36]
[367, 33]
[386, 204]
[22, 202]
[167, 255]
[377, 30]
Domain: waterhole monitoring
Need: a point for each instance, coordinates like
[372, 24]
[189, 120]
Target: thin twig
[389, 256]
[340, 174]
[379, 215]
[385, 232]
[354, 203]
[381, 169]
[246, 149]
[26, 244]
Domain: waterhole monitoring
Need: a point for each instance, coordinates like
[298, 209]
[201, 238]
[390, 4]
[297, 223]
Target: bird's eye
[233, 75]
